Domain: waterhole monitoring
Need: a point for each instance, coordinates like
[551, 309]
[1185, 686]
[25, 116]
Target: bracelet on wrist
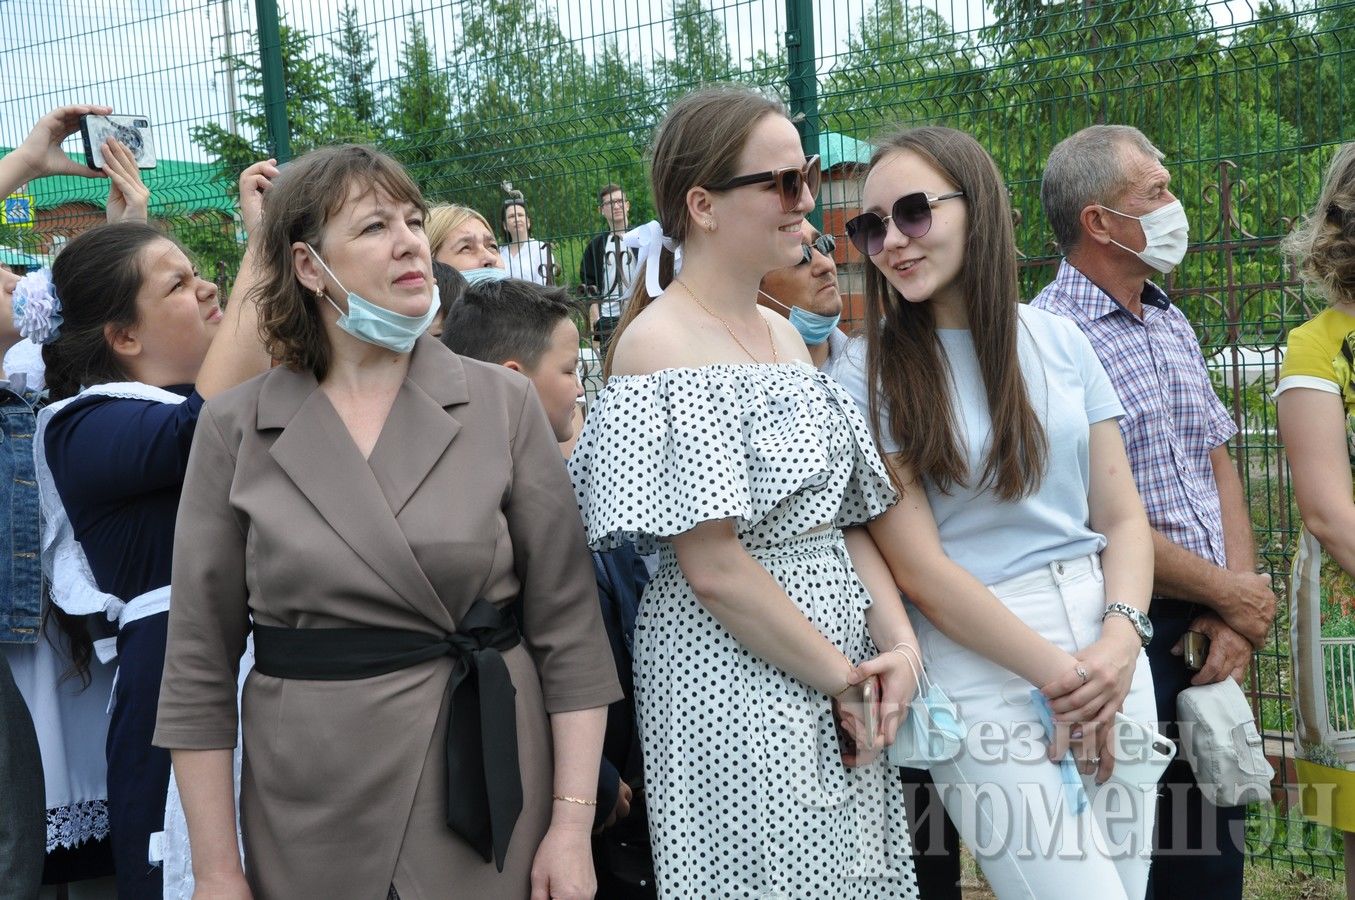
[1140, 622]
[848, 686]
[566, 799]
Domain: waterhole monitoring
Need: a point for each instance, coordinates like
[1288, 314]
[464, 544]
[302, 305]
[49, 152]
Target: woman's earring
[710, 224]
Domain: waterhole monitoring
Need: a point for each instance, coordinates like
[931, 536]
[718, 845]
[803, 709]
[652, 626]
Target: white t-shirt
[992, 539]
[528, 264]
[618, 282]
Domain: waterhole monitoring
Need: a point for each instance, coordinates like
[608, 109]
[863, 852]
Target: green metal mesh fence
[1247, 100]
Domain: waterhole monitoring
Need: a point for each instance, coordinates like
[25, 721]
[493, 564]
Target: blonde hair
[448, 217]
[1322, 247]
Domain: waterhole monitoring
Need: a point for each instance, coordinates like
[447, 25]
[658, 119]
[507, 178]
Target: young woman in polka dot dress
[718, 443]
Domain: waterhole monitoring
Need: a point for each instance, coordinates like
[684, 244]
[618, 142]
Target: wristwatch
[1136, 618]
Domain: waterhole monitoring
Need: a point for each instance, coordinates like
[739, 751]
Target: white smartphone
[134, 132]
[1141, 753]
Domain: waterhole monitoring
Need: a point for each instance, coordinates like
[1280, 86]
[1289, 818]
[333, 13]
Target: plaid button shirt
[1173, 418]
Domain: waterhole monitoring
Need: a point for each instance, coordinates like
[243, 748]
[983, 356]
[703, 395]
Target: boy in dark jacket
[530, 328]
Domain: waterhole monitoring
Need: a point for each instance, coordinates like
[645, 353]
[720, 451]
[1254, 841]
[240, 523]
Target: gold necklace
[770, 340]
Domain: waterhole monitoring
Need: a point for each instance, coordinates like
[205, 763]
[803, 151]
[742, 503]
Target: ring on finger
[1082, 673]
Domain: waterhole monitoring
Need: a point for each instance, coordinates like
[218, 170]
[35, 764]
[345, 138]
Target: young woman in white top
[999, 427]
[522, 256]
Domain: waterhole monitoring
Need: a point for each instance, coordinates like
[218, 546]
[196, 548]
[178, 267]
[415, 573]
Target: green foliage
[700, 52]
[903, 65]
[313, 119]
[420, 108]
[352, 64]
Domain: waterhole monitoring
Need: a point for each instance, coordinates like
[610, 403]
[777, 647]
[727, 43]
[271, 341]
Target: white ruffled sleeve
[779, 449]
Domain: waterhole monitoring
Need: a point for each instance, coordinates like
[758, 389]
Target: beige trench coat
[465, 495]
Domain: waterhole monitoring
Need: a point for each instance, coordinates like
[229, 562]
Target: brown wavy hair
[307, 194]
[698, 142]
[1322, 247]
[906, 369]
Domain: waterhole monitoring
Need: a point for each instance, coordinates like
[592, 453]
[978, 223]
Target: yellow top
[1322, 348]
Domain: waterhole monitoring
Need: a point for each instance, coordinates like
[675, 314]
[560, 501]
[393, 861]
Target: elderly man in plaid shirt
[1107, 196]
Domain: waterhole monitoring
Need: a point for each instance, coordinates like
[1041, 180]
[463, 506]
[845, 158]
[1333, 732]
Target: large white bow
[647, 240]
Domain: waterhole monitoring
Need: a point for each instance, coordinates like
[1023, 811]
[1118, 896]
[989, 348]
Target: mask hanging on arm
[1166, 230]
[377, 325]
[814, 328]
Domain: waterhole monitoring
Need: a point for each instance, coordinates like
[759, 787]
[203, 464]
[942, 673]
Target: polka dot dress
[747, 793]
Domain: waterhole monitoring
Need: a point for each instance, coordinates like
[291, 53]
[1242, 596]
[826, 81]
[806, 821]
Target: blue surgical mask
[486, 273]
[814, 328]
[375, 324]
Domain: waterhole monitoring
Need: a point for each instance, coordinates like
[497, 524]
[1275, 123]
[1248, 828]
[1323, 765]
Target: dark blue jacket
[621, 577]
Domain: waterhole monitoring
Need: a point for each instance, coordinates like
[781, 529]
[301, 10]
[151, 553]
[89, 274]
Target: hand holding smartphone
[1195, 649]
[133, 132]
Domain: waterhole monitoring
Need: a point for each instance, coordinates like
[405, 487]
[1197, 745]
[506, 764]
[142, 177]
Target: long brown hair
[906, 369]
[698, 142]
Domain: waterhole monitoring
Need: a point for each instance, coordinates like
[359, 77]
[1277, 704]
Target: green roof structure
[177, 187]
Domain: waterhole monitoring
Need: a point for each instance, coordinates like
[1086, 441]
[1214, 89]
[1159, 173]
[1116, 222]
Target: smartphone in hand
[870, 696]
[133, 132]
[1141, 753]
[1195, 649]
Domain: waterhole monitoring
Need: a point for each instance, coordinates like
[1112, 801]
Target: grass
[1260, 882]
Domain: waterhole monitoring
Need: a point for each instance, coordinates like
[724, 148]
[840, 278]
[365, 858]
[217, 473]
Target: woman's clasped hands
[894, 679]
[1085, 699]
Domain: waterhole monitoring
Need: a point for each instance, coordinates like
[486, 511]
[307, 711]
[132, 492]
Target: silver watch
[1136, 617]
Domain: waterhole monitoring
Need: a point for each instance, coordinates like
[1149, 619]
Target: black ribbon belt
[484, 785]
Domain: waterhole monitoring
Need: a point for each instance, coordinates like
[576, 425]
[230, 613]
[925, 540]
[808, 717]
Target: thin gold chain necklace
[770, 340]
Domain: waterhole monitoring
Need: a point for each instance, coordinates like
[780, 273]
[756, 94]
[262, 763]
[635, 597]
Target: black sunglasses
[911, 215]
[789, 181]
[824, 243]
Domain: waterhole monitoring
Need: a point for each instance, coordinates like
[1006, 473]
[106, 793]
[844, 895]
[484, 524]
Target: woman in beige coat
[388, 514]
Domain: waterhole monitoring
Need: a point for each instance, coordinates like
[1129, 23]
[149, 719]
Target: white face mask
[1166, 231]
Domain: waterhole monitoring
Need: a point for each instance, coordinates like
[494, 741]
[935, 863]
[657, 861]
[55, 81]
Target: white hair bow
[647, 240]
[36, 307]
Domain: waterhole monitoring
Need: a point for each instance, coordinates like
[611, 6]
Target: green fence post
[802, 80]
[274, 90]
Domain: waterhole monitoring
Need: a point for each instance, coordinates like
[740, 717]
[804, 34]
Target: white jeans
[1005, 797]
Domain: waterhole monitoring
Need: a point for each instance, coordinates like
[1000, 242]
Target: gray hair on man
[1086, 168]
